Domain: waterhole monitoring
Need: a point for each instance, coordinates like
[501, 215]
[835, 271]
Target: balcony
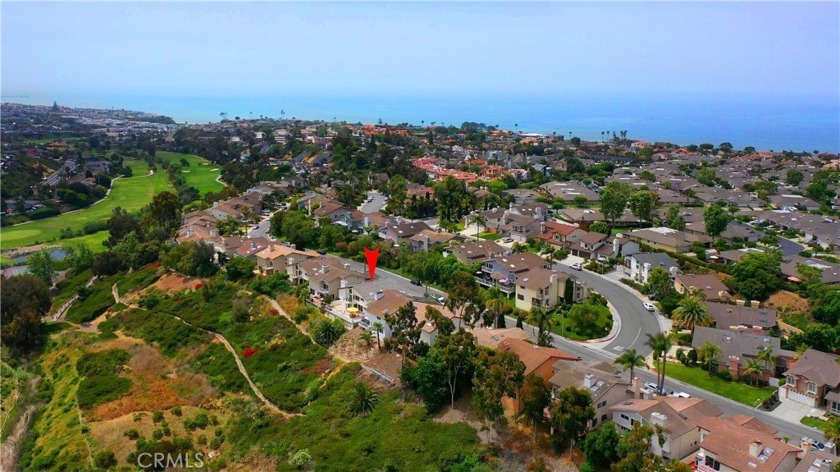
[495, 279]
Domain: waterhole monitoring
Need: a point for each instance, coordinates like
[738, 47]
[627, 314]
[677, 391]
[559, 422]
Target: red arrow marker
[372, 257]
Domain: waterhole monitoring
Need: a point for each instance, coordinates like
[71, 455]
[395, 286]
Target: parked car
[322, 252]
[441, 299]
[650, 386]
[649, 306]
[679, 395]
[602, 258]
[507, 240]
[416, 282]
[577, 266]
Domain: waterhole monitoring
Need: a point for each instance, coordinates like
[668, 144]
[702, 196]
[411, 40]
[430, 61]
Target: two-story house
[390, 301]
[814, 380]
[677, 418]
[281, 259]
[601, 379]
[545, 288]
[726, 446]
[472, 252]
[503, 272]
[642, 264]
[538, 360]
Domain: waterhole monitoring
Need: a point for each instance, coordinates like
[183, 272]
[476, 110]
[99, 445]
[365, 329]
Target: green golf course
[130, 193]
[200, 174]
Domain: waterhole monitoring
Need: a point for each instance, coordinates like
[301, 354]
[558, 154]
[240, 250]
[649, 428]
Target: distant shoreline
[797, 124]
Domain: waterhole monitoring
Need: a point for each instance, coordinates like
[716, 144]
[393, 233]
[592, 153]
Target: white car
[680, 395]
[650, 386]
[649, 306]
[577, 266]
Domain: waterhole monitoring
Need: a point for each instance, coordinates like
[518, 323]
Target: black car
[322, 252]
[416, 282]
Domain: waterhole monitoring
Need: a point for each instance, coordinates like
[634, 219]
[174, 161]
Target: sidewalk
[615, 276]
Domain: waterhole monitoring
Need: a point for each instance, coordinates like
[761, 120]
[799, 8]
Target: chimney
[660, 419]
[647, 267]
[271, 247]
[735, 366]
[755, 448]
[542, 227]
[635, 385]
[253, 245]
[588, 381]
[616, 247]
[325, 268]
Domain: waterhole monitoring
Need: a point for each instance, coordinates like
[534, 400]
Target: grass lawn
[201, 173]
[566, 328]
[818, 423]
[129, 193]
[490, 236]
[737, 391]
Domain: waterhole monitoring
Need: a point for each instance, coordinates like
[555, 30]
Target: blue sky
[580, 49]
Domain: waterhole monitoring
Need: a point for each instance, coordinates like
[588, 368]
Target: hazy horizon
[774, 50]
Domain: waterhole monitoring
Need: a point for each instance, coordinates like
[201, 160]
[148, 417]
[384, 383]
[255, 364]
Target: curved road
[636, 322]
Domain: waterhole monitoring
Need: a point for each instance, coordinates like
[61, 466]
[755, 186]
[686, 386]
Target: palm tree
[630, 360]
[478, 220]
[540, 318]
[660, 344]
[363, 399]
[378, 327]
[692, 312]
[496, 304]
[765, 355]
[711, 353]
[367, 337]
[753, 369]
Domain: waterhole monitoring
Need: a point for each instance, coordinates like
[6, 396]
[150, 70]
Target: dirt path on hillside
[268, 403]
[10, 448]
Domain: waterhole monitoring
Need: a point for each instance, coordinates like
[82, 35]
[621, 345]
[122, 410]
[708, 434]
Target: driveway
[636, 322]
[377, 204]
[788, 247]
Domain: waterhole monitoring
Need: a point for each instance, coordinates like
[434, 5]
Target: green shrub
[101, 388]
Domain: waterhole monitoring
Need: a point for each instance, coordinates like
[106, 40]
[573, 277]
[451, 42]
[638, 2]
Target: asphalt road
[261, 231]
[389, 280]
[374, 205]
[636, 322]
[788, 247]
[794, 431]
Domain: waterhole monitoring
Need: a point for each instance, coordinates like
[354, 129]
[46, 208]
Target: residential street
[374, 205]
[636, 322]
[587, 352]
[386, 280]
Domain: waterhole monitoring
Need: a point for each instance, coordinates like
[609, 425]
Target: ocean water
[767, 123]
